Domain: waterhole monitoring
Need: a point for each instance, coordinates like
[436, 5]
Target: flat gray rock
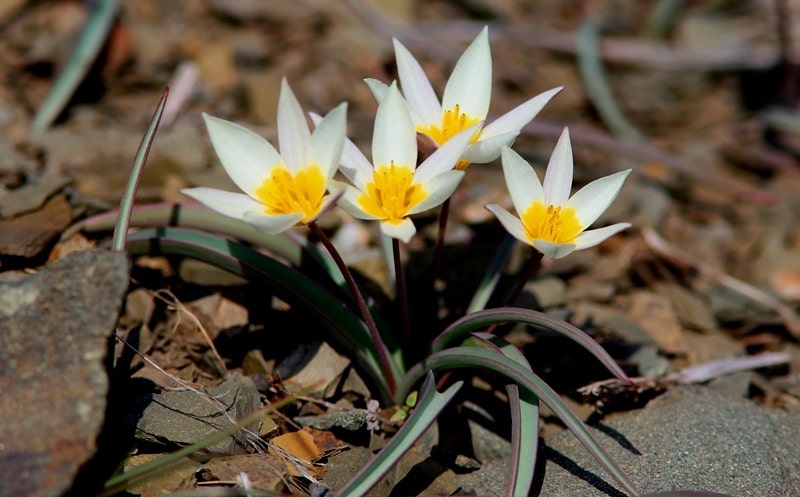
[691, 438]
[54, 335]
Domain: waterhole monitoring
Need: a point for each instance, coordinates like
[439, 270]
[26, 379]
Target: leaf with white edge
[474, 357]
[430, 403]
[482, 319]
[524, 407]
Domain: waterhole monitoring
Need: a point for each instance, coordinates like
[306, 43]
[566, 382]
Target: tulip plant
[294, 185]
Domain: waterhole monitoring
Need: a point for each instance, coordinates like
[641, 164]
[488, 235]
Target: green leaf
[129, 195]
[92, 38]
[291, 246]
[256, 267]
[428, 408]
[482, 319]
[472, 357]
[524, 407]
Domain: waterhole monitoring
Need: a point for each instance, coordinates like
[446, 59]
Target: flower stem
[402, 296]
[439, 251]
[533, 265]
[383, 352]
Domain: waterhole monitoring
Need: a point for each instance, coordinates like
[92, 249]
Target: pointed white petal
[439, 189]
[353, 164]
[293, 134]
[229, 204]
[416, 87]
[558, 178]
[470, 83]
[593, 199]
[522, 182]
[511, 223]
[272, 225]
[403, 230]
[378, 88]
[554, 250]
[327, 141]
[488, 149]
[349, 201]
[394, 138]
[516, 118]
[446, 156]
[593, 237]
[246, 157]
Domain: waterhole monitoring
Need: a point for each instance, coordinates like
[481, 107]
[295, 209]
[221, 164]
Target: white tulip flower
[550, 220]
[465, 102]
[392, 188]
[283, 189]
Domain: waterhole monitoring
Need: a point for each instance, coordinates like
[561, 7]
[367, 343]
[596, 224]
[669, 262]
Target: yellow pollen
[285, 193]
[555, 224]
[391, 193]
[453, 122]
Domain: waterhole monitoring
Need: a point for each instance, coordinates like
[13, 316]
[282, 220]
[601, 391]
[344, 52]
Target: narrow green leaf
[129, 195]
[482, 319]
[92, 38]
[472, 357]
[489, 282]
[256, 267]
[524, 407]
[429, 406]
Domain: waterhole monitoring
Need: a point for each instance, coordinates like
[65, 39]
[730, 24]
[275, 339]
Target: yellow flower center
[453, 122]
[555, 224]
[391, 193]
[286, 193]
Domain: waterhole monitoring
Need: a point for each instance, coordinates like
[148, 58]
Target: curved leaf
[472, 357]
[256, 267]
[482, 319]
[129, 195]
[429, 405]
[525, 420]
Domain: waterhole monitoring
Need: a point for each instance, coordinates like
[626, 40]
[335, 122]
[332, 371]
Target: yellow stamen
[453, 122]
[391, 193]
[555, 224]
[285, 193]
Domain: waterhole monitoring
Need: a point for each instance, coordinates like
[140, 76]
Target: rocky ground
[100, 359]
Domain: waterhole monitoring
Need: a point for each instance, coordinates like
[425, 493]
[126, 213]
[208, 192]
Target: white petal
[229, 204]
[488, 149]
[327, 141]
[272, 225]
[394, 138]
[554, 250]
[378, 88]
[593, 237]
[511, 223]
[416, 87]
[558, 178]
[349, 201]
[246, 157]
[522, 182]
[439, 189]
[293, 134]
[445, 157]
[354, 165]
[470, 83]
[403, 230]
[516, 118]
[593, 199]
